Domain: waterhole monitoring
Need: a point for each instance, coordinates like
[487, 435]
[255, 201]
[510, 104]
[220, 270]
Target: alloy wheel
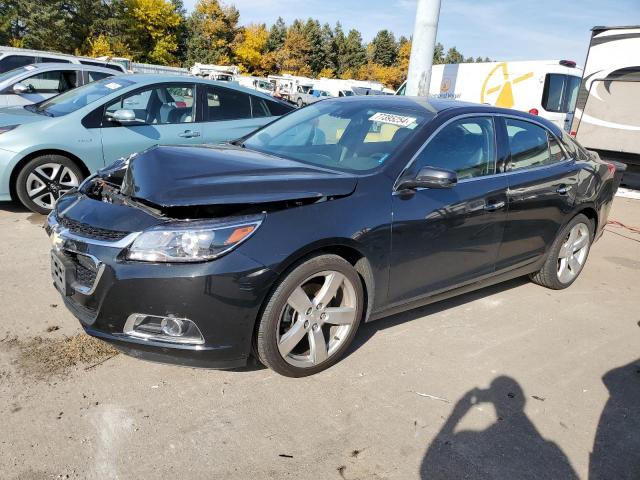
[317, 319]
[573, 253]
[48, 182]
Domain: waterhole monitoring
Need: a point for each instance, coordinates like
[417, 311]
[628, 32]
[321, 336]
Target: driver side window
[467, 146]
[159, 105]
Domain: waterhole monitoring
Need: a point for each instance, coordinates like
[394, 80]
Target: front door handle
[492, 207]
[189, 134]
[562, 190]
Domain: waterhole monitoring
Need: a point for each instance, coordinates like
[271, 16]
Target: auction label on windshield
[392, 119]
[113, 86]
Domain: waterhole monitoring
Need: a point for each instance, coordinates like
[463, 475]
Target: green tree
[438, 54]
[384, 49]
[212, 29]
[329, 50]
[277, 35]
[293, 57]
[339, 48]
[313, 35]
[453, 56]
[355, 54]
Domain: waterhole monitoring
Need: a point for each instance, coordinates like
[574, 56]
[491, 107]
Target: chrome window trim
[566, 159]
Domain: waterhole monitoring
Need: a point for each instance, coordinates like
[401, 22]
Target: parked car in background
[11, 58]
[50, 147]
[308, 95]
[541, 87]
[339, 213]
[35, 83]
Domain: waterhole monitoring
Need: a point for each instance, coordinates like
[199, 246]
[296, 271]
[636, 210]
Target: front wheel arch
[38, 153]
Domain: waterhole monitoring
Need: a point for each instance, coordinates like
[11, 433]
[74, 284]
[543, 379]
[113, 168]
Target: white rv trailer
[607, 116]
[543, 87]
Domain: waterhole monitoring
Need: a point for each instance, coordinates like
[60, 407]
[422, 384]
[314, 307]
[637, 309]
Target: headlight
[192, 241]
[8, 128]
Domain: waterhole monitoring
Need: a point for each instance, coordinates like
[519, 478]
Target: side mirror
[124, 116]
[20, 88]
[430, 177]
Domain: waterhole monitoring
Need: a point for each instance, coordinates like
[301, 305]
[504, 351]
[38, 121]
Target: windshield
[80, 97]
[348, 93]
[342, 135]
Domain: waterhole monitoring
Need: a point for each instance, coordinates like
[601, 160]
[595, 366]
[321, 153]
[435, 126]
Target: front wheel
[300, 103]
[311, 317]
[567, 256]
[44, 179]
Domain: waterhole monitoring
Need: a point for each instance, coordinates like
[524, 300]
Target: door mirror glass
[20, 88]
[124, 116]
[430, 177]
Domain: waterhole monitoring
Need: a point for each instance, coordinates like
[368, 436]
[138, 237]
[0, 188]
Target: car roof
[146, 78]
[46, 66]
[435, 106]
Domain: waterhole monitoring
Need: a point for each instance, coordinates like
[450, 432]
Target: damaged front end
[140, 252]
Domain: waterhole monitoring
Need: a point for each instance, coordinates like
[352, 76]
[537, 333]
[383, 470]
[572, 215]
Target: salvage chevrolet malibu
[280, 244]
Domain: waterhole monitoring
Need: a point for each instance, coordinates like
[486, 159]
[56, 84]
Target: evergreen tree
[438, 54]
[384, 50]
[277, 35]
[313, 35]
[479, 60]
[329, 50]
[339, 48]
[453, 56]
[355, 54]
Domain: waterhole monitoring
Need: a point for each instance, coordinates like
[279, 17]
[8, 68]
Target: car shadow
[13, 207]
[511, 447]
[616, 448]
[368, 330]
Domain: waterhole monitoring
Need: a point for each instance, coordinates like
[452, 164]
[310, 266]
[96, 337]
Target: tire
[565, 261]
[311, 322]
[44, 179]
[300, 103]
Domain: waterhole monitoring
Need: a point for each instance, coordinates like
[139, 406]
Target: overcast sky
[500, 29]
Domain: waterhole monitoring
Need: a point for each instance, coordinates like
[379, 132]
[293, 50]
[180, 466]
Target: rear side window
[14, 61]
[277, 108]
[93, 76]
[259, 108]
[53, 60]
[554, 149]
[466, 146]
[226, 104]
[529, 145]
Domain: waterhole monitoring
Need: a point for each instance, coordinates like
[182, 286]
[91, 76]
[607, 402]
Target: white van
[543, 87]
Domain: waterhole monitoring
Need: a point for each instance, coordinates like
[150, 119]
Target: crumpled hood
[195, 176]
[19, 116]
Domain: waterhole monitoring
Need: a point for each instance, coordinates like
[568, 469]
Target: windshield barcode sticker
[113, 86]
[29, 67]
[392, 119]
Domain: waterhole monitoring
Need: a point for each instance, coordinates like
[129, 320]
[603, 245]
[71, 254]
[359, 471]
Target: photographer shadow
[510, 448]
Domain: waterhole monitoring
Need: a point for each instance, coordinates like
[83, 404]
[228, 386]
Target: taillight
[567, 63]
[533, 111]
[573, 134]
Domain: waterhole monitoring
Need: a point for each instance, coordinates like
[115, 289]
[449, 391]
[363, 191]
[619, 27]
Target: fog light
[165, 329]
[174, 327]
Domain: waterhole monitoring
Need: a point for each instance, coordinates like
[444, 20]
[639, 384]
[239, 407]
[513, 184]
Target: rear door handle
[189, 134]
[562, 190]
[492, 207]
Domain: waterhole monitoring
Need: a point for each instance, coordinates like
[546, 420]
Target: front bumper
[8, 161]
[221, 297]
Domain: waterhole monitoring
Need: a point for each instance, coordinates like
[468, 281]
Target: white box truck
[607, 116]
[543, 87]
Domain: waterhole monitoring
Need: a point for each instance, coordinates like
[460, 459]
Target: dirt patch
[45, 357]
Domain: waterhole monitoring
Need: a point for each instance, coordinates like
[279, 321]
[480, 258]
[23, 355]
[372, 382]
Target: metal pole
[423, 43]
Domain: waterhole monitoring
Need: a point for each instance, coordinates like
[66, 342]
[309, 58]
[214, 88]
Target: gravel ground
[513, 381]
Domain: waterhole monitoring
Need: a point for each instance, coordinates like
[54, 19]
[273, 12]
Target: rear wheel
[44, 179]
[300, 103]
[311, 317]
[567, 255]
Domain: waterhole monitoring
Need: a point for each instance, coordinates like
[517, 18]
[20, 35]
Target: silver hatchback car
[37, 82]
